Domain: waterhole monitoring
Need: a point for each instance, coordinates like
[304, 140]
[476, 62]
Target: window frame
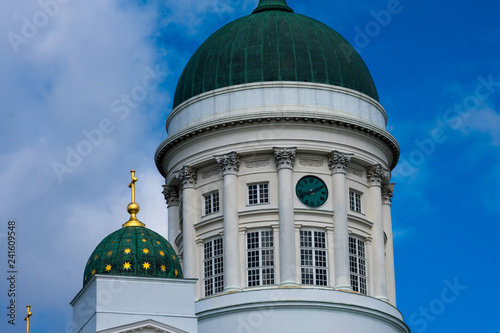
[213, 266]
[315, 255]
[358, 265]
[265, 273]
[355, 205]
[262, 194]
[213, 203]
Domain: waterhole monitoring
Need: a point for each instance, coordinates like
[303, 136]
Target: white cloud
[485, 121]
[60, 83]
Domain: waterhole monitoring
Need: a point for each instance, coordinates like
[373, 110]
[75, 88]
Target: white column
[187, 175]
[230, 164]
[375, 176]
[387, 193]
[200, 249]
[331, 249]
[243, 255]
[276, 239]
[369, 266]
[338, 162]
[285, 159]
[172, 198]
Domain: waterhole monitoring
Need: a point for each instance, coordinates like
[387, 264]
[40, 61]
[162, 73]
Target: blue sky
[436, 68]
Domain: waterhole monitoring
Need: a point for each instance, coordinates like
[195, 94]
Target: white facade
[119, 304]
[232, 143]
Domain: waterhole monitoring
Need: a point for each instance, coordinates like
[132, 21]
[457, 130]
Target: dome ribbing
[273, 44]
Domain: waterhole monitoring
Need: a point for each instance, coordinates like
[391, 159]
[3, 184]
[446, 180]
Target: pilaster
[376, 176]
[187, 175]
[172, 199]
[285, 160]
[338, 162]
[229, 164]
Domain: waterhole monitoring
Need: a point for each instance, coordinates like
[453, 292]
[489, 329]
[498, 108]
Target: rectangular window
[313, 258]
[213, 267]
[357, 263]
[211, 202]
[355, 201]
[258, 194]
[260, 258]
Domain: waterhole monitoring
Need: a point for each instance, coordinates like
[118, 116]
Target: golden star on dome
[173, 257]
[128, 240]
[143, 240]
[110, 253]
[163, 268]
[146, 265]
[145, 251]
[113, 242]
[108, 268]
[157, 242]
[142, 234]
[127, 251]
[162, 253]
[95, 258]
[127, 265]
[176, 272]
[93, 271]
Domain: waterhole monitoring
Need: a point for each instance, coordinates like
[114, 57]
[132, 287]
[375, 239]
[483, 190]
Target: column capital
[337, 161]
[387, 193]
[171, 195]
[285, 157]
[187, 175]
[376, 174]
[229, 163]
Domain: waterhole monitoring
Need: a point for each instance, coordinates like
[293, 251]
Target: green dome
[274, 44]
[133, 251]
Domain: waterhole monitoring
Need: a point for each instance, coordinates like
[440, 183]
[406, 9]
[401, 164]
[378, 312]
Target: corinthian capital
[377, 174]
[171, 195]
[187, 175]
[229, 163]
[337, 161]
[285, 157]
[387, 193]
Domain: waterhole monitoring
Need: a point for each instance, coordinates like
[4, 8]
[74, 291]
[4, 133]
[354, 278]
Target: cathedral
[277, 172]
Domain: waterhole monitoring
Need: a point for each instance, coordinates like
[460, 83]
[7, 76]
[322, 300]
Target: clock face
[311, 191]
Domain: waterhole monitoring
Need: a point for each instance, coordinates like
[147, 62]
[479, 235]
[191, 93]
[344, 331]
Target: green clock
[311, 191]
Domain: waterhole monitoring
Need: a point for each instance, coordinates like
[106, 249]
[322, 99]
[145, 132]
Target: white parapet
[297, 310]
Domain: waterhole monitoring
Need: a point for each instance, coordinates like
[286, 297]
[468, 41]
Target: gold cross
[27, 318]
[132, 184]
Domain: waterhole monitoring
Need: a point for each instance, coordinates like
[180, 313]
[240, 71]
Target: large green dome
[274, 44]
[133, 251]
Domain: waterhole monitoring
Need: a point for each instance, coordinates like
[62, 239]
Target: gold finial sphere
[133, 208]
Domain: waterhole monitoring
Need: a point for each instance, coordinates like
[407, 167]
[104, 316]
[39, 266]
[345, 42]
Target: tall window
[213, 265]
[258, 194]
[260, 258]
[313, 257]
[357, 263]
[355, 201]
[211, 202]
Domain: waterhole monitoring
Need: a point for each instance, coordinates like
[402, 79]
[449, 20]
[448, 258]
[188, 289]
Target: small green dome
[133, 251]
[274, 44]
